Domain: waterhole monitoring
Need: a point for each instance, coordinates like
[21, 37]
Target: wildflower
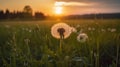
[82, 37]
[61, 30]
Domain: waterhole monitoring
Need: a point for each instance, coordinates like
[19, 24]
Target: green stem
[117, 55]
[60, 45]
[97, 54]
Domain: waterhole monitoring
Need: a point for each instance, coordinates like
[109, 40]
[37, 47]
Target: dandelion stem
[97, 54]
[60, 45]
[13, 61]
[28, 50]
[117, 55]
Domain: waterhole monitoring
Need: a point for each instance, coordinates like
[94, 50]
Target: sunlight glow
[58, 10]
[60, 3]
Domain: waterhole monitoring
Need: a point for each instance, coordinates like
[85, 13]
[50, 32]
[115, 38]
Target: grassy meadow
[30, 44]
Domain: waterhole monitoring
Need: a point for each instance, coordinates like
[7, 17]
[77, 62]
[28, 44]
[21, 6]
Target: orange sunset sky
[65, 7]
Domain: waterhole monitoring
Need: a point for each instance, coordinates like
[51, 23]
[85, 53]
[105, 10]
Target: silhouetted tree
[7, 14]
[39, 15]
[27, 10]
[2, 14]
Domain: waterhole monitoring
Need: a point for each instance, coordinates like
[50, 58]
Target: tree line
[26, 14]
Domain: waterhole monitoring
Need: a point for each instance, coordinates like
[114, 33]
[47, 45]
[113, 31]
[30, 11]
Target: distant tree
[27, 10]
[1, 14]
[39, 15]
[7, 14]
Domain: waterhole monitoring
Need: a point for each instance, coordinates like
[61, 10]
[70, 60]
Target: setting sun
[58, 10]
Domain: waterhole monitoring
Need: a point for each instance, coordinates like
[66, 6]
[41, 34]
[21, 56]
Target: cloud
[105, 2]
[62, 3]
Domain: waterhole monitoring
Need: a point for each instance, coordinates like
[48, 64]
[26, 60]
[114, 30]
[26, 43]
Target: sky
[65, 7]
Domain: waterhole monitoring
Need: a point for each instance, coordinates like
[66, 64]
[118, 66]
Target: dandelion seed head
[82, 37]
[61, 29]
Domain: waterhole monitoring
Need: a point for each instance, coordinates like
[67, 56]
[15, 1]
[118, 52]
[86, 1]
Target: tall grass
[30, 44]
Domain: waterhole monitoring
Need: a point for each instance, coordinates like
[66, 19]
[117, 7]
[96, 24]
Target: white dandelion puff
[61, 30]
[73, 29]
[113, 30]
[82, 37]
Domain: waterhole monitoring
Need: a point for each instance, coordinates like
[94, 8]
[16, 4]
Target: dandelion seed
[82, 37]
[61, 30]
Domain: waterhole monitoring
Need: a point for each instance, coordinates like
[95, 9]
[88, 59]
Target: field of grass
[30, 44]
